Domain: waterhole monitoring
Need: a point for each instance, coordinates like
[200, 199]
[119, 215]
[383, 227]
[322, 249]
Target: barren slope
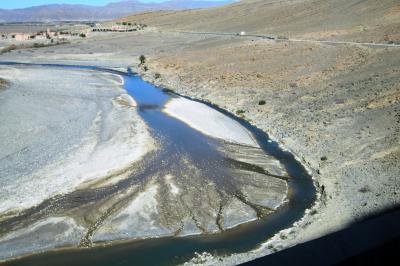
[360, 19]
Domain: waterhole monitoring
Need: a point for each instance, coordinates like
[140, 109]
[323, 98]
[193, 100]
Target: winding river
[182, 150]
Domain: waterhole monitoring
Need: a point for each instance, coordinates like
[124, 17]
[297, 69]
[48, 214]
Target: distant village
[41, 35]
[64, 35]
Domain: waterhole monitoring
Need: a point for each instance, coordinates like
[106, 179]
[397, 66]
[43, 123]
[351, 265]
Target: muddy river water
[202, 188]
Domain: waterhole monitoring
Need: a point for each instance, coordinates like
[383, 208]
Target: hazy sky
[8, 4]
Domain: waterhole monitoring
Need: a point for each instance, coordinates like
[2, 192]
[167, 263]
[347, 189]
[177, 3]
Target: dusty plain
[336, 106]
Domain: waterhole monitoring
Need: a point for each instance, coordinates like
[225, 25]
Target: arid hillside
[363, 20]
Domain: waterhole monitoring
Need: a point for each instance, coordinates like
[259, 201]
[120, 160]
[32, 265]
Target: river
[182, 150]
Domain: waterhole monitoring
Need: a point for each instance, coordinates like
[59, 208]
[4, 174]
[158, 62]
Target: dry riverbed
[81, 169]
[64, 130]
[336, 107]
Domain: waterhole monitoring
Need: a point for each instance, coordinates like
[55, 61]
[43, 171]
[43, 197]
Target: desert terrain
[320, 77]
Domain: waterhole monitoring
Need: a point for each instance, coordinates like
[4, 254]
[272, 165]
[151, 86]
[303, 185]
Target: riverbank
[209, 121]
[66, 131]
[344, 130]
[240, 184]
[336, 107]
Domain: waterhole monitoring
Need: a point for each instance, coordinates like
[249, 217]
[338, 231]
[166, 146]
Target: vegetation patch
[3, 84]
[13, 47]
[142, 59]
[9, 48]
[364, 189]
[262, 102]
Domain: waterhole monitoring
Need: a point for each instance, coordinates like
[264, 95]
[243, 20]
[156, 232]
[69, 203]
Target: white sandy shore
[63, 128]
[42, 235]
[209, 121]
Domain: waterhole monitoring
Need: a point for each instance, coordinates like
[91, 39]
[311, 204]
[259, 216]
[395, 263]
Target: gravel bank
[64, 128]
[209, 121]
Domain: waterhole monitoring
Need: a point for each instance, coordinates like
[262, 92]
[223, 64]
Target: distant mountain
[67, 12]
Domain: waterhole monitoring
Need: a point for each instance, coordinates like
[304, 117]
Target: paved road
[271, 37]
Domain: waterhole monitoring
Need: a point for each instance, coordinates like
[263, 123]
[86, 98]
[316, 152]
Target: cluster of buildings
[41, 35]
[64, 35]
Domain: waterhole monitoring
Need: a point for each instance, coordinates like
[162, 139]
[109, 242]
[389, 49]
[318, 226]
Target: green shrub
[145, 68]
[262, 102]
[364, 189]
[142, 59]
[240, 112]
[9, 48]
[82, 35]
[157, 75]
[3, 83]
[37, 45]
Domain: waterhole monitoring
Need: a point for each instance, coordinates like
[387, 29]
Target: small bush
[82, 35]
[239, 112]
[157, 75]
[262, 102]
[324, 158]
[124, 23]
[145, 68]
[3, 83]
[37, 45]
[9, 48]
[142, 59]
[167, 90]
[364, 189]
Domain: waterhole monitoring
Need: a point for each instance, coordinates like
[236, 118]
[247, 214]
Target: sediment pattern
[191, 184]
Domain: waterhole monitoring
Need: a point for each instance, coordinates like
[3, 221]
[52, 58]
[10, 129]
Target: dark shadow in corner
[373, 241]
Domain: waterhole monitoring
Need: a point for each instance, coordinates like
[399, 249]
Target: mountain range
[68, 12]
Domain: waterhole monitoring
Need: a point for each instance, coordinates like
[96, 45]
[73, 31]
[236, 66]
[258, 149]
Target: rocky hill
[353, 19]
[67, 12]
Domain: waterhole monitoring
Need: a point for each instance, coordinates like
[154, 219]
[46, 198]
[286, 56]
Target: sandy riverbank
[67, 130]
[87, 194]
[74, 131]
[209, 121]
